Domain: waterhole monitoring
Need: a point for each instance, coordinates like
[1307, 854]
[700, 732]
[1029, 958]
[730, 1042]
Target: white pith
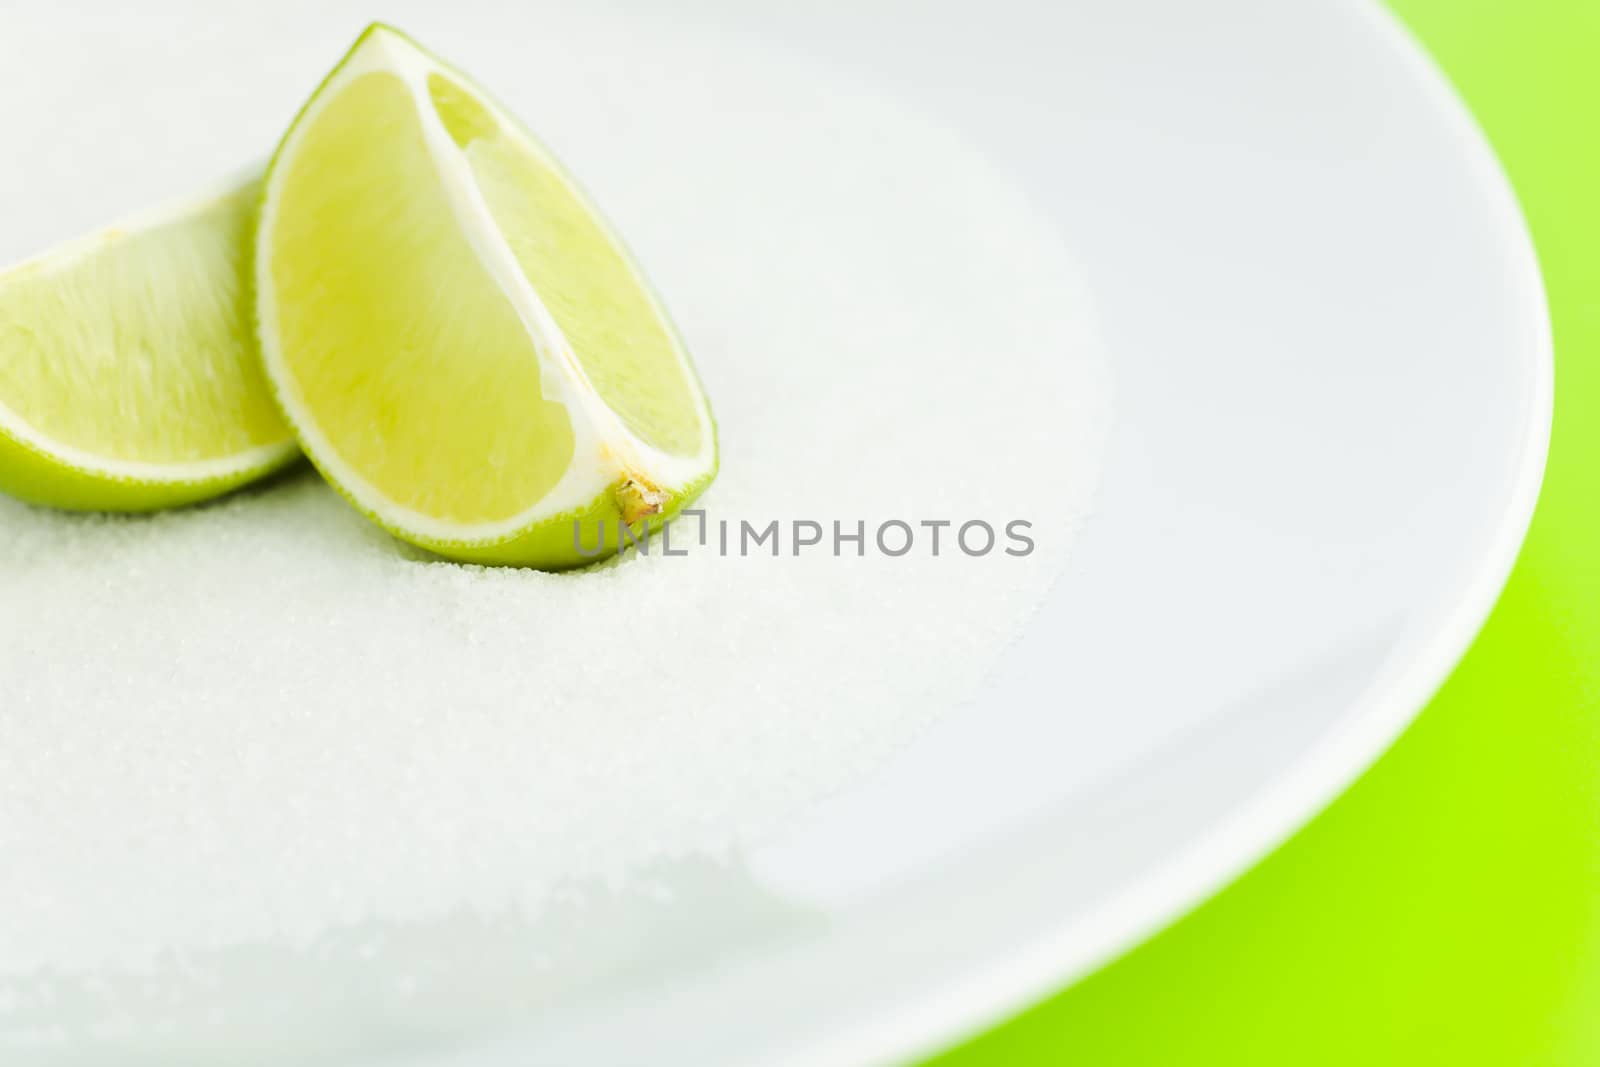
[604, 449]
[18, 429]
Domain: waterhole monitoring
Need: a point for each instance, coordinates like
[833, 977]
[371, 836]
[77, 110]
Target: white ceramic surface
[1334, 386]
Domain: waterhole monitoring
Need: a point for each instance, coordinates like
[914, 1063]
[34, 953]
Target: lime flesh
[465, 348]
[129, 376]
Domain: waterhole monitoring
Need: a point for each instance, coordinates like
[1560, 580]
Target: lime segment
[129, 376]
[465, 348]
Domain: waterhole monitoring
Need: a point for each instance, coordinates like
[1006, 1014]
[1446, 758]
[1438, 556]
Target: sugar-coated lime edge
[41, 470]
[61, 477]
[549, 540]
[68, 252]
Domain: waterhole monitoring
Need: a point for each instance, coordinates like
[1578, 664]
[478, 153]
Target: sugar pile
[263, 721]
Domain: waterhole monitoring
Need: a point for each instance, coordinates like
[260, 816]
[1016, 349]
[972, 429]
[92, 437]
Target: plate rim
[958, 1005]
[990, 995]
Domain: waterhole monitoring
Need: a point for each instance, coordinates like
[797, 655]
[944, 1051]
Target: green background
[1446, 909]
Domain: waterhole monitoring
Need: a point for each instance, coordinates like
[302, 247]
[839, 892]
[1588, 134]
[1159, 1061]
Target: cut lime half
[464, 346]
[129, 376]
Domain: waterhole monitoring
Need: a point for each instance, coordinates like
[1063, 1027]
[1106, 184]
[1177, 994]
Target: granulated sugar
[262, 722]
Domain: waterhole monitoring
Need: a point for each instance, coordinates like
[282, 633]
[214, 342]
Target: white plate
[1334, 389]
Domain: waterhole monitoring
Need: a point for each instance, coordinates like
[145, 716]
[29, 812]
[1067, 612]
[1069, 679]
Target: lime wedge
[463, 345]
[129, 377]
